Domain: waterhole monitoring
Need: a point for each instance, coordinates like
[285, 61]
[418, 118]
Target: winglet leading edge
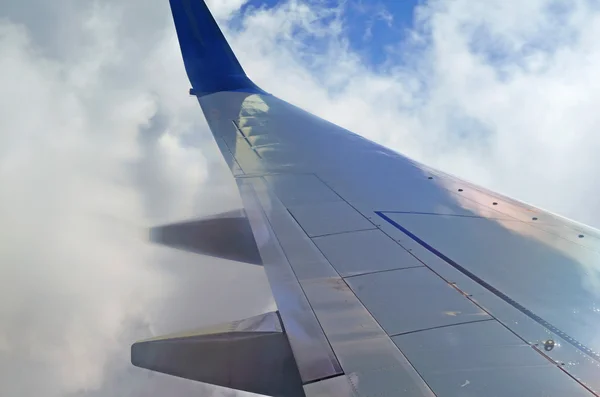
[209, 61]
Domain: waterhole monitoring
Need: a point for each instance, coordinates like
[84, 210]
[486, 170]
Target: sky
[99, 141]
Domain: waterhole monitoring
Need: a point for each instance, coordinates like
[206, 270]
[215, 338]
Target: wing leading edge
[390, 278]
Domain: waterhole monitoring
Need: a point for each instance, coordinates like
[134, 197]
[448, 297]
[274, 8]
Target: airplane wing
[390, 278]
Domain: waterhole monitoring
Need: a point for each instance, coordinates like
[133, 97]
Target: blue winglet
[209, 61]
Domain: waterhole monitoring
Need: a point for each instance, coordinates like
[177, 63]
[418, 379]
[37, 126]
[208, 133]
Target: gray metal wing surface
[390, 278]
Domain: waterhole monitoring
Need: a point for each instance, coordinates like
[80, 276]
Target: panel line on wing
[555, 362]
[312, 350]
[441, 214]
[381, 271]
[444, 326]
[309, 304]
[238, 129]
[345, 283]
[492, 289]
[367, 354]
[338, 233]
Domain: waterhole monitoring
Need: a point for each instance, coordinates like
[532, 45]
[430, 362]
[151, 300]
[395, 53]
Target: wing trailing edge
[227, 235]
[253, 355]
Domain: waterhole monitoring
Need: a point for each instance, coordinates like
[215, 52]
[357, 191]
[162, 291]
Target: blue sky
[371, 27]
[374, 26]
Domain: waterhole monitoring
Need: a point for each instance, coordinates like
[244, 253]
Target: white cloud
[61, 241]
[96, 145]
[223, 9]
[98, 141]
[499, 93]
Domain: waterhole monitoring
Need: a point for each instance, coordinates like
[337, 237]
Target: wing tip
[209, 61]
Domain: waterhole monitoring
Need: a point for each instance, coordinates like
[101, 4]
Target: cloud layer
[98, 141]
[500, 93]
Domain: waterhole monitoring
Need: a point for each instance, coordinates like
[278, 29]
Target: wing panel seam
[363, 305]
[500, 295]
[492, 289]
